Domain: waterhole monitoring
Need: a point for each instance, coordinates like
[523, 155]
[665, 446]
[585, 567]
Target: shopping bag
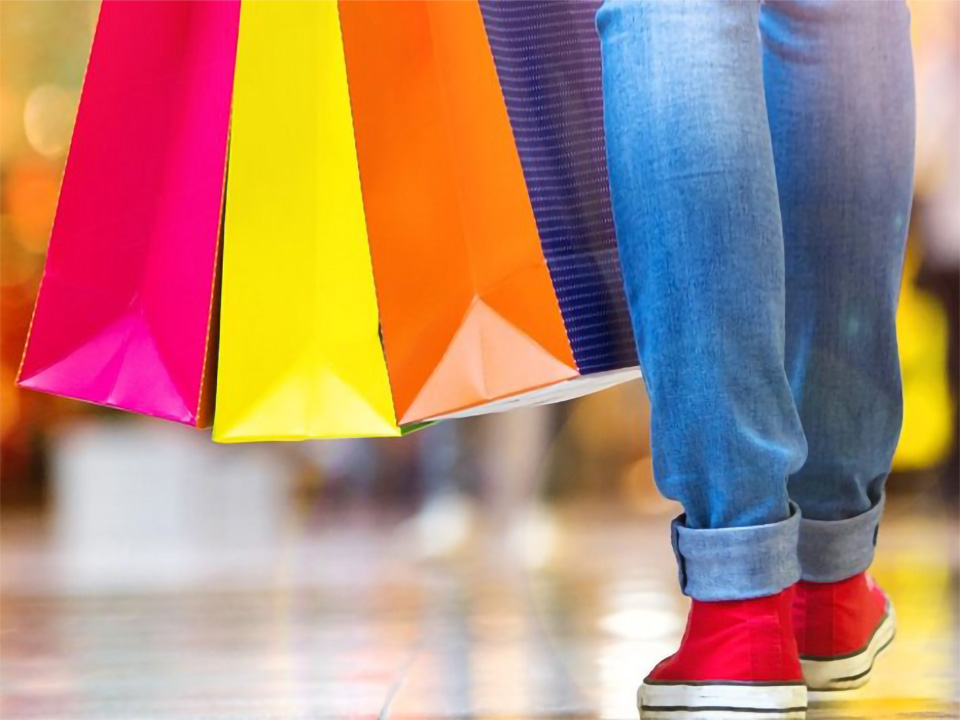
[469, 308]
[125, 315]
[300, 352]
[547, 56]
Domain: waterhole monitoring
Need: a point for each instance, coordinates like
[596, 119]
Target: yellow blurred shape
[927, 410]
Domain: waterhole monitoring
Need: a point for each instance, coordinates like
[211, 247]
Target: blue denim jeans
[761, 170]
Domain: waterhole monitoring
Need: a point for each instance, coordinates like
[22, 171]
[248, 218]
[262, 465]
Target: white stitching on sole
[706, 702]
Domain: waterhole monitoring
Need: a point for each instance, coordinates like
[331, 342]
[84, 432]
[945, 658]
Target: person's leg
[697, 217]
[839, 81]
[698, 225]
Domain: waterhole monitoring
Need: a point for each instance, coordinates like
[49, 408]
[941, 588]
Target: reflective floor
[338, 619]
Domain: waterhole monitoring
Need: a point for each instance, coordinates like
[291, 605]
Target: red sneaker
[736, 656]
[841, 629]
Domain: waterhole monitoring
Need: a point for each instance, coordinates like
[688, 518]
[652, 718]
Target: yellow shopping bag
[300, 352]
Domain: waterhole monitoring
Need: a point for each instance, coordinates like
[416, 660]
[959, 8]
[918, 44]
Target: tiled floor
[336, 621]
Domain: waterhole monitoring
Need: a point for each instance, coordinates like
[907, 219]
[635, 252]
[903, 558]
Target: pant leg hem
[737, 563]
[834, 550]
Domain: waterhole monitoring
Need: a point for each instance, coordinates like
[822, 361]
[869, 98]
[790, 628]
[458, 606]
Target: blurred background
[100, 504]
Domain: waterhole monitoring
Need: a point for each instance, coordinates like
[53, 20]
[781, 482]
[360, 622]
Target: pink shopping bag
[126, 307]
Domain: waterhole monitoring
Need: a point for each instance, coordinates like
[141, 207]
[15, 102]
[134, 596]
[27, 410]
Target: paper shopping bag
[468, 311]
[300, 353]
[547, 56]
[125, 311]
[469, 306]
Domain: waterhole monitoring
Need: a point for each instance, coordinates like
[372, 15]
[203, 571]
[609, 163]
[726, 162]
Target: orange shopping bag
[468, 309]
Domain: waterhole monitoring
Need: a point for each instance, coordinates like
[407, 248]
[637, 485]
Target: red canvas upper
[736, 640]
[837, 618]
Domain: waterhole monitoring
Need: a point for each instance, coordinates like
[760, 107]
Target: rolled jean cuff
[737, 563]
[834, 550]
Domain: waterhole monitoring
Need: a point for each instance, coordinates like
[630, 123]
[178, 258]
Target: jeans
[761, 172]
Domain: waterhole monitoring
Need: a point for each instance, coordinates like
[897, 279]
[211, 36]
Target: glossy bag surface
[468, 310]
[125, 315]
[300, 352]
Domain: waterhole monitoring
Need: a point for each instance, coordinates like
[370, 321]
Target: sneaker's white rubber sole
[852, 670]
[715, 701]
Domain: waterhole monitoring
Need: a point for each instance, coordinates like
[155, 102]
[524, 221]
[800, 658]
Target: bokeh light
[48, 116]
